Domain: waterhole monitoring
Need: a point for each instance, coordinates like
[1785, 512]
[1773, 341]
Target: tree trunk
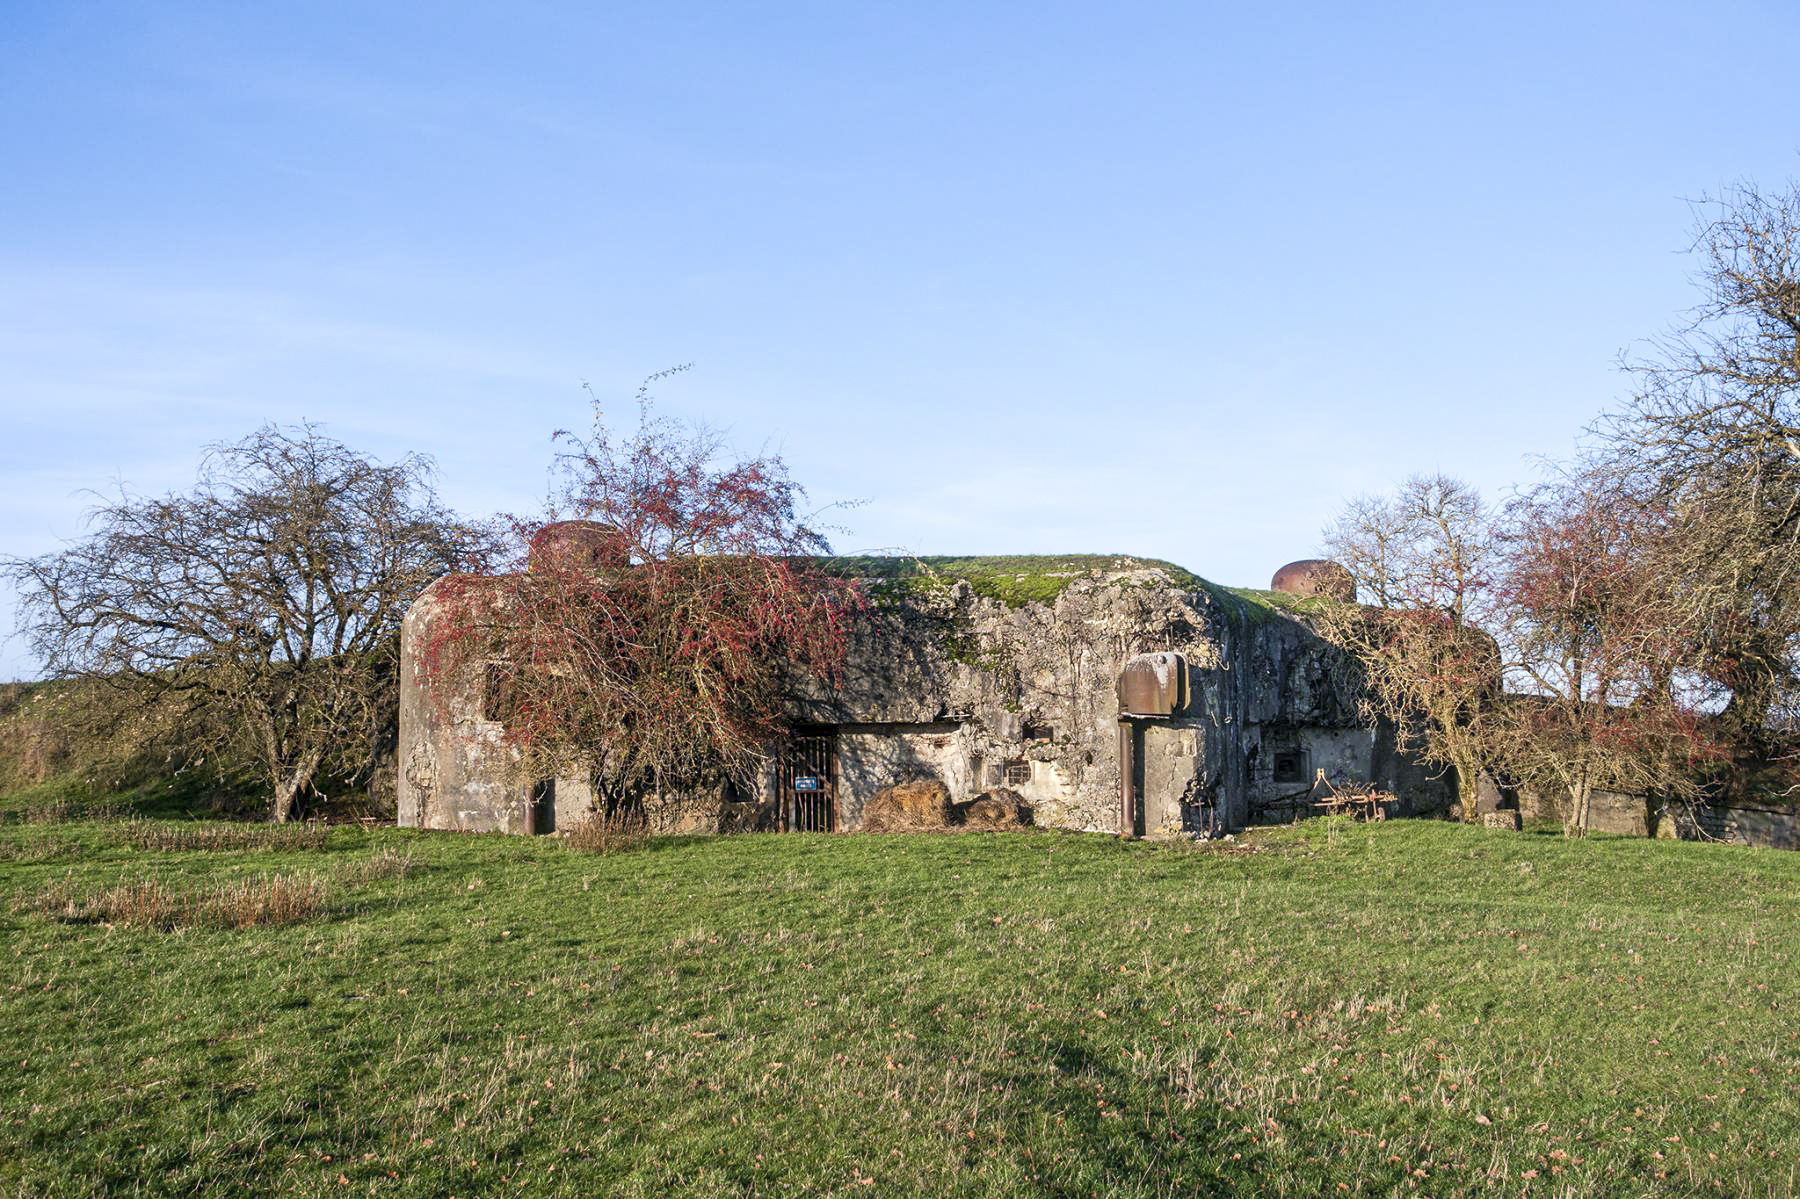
[1468, 790]
[285, 797]
[288, 787]
[1580, 797]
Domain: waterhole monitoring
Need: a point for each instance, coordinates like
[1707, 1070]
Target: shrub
[606, 836]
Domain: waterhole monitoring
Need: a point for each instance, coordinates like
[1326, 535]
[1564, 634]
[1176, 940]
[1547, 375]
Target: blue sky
[1161, 279]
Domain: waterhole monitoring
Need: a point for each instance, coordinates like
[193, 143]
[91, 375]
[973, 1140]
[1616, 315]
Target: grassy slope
[49, 767]
[1404, 1009]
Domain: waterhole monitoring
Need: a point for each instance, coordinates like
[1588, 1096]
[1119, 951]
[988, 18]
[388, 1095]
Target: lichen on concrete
[984, 672]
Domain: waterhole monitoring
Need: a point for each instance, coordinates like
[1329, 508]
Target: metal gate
[809, 783]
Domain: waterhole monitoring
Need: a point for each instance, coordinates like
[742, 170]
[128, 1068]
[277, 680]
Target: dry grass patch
[38, 849]
[388, 862]
[159, 837]
[606, 836]
[263, 901]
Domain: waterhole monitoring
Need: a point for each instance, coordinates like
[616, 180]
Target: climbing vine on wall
[656, 621]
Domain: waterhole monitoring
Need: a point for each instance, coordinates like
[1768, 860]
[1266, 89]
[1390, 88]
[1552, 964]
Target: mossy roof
[1259, 604]
[1014, 579]
[1018, 579]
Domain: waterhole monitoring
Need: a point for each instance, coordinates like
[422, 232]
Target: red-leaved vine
[655, 623]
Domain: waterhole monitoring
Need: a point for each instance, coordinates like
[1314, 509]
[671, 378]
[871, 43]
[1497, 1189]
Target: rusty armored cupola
[1153, 685]
[578, 545]
[1315, 577]
[1150, 686]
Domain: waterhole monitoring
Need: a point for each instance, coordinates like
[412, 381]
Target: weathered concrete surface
[967, 691]
[456, 766]
[1033, 683]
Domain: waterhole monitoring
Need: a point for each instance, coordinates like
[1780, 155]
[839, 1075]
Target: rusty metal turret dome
[579, 545]
[1315, 577]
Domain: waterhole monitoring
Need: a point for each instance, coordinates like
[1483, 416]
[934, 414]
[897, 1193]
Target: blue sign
[807, 784]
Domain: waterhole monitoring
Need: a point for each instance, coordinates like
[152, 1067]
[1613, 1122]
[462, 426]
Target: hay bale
[996, 809]
[919, 806]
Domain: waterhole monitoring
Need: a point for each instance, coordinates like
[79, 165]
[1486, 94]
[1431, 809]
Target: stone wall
[1641, 816]
[1773, 828]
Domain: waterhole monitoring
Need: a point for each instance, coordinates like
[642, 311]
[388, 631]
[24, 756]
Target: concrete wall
[1003, 672]
[1773, 828]
[960, 755]
[945, 683]
[872, 758]
[1175, 779]
[455, 767]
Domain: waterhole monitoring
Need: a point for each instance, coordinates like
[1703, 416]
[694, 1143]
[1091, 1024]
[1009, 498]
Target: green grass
[1262, 603]
[1408, 1009]
[1014, 580]
[1038, 579]
[53, 770]
[140, 786]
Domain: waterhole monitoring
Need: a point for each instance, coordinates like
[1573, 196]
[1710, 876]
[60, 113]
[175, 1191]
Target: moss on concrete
[1269, 603]
[1014, 580]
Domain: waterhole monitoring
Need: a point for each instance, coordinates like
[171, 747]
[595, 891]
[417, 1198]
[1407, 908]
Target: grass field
[1415, 1009]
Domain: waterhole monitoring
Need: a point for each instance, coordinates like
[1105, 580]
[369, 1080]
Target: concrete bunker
[1108, 694]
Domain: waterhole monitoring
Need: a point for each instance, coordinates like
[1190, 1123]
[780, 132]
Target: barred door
[809, 783]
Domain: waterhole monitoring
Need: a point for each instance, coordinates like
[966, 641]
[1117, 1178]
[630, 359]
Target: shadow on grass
[1135, 1128]
[1118, 1135]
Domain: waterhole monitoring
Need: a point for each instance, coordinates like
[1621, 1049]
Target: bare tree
[1712, 432]
[1647, 610]
[1601, 651]
[261, 608]
[1421, 556]
[1425, 546]
[1547, 643]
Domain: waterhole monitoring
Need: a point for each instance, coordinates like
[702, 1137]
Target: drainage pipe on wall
[1127, 779]
[1150, 686]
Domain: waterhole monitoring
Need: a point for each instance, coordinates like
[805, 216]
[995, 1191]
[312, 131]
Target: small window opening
[1290, 766]
[1009, 774]
[1040, 732]
[496, 693]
